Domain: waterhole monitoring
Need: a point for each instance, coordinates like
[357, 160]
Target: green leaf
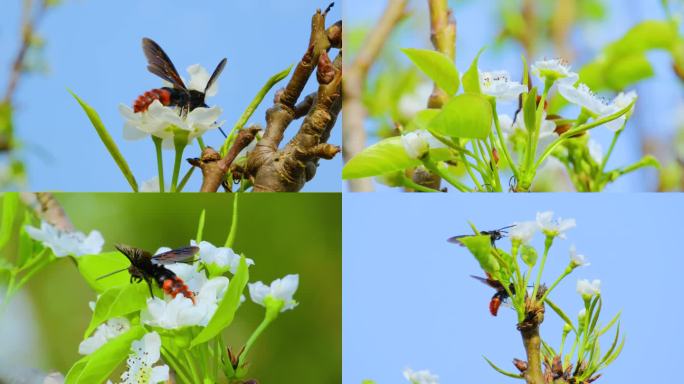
[628, 70]
[650, 34]
[118, 301]
[421, 120]
[465, 116]
[530, 109]
[10, 207]
[471, 78]
[96, 367]
[386, 156]
[108, 142]
[437, 66]
[253, 105]
[94, 266]
[560, 313]
[529, 255]
[229, 304]
[501, 371]
[200, 227]
[480, 246]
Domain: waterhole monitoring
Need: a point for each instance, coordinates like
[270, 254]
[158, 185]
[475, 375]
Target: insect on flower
[178, 95]
[494, 235]
[500, 296]
[145, 266]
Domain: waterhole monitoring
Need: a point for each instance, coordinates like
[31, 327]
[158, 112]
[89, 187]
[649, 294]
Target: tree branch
[354, 114]
[288, 169]
[214, 167]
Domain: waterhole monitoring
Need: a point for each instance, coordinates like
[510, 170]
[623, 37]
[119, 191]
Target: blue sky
[409, 301]
[93, 48]
[478, 26]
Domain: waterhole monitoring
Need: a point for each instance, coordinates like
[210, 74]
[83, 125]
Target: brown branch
[529, 330]
[354, 132]
[214, 167]
[28, 25]
[49, 209]
[288, 169]
[443, 37]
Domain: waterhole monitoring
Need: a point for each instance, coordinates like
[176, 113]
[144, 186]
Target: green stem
[176, 166]
[191, 364]
[185, 179]
[547, 246]
[255, 335]
[160, 163]
[502, 143]
[200, 142]
[177, 367]
[577, 130]
[451, 179]
[230, 240]
[610, 149]
[408, 183]
[466, 164]
[555, 283]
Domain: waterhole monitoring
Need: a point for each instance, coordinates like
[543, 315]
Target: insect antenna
[111, 273]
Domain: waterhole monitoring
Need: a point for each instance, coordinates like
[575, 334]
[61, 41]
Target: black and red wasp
[500, 296]
[494, 235]
[179, 95]
[148, 267]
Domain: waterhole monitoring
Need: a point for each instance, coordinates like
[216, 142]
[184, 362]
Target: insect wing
[175, 255]
[160, 64]
[457, 240]
[216, 74]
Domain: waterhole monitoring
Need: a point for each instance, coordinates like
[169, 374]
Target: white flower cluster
[159, 120]
[524, 231]
[64, 243]
[417, 143]
[420, 377]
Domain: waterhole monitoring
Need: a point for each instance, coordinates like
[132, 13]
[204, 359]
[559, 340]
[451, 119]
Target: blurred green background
[283, 233]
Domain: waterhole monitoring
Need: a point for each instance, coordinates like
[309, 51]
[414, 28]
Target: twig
[354, 113]
[214, 167]
[288, 169]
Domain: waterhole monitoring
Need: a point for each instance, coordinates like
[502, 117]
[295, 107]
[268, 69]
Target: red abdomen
[494, 305]
[143, 101]
[175, 285]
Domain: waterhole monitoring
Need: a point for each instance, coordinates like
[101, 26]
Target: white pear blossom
[420, 377]
[523, 231]
[588, 289]
[221, 256]
[621, 101]
[584, 97]
[105, 332]
[158, 120]
[554, 69]
[552, 227]
[180, 311]
[146, 352]
[499, 85]
[577, 260]
[65, 243]
[412, 103]
[417, 143]
[281, 289]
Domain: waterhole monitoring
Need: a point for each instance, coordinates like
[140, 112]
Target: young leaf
[481, 247]
[94, 266]
[118, 301]
[530, 109]
[471, 78]
[226, 309]
[501, 371]
[10, 207]
[96, 367]
[465, 116]
[528, 255]
[108, 142]
[383, 157]
[200, 227]
[437, 66]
